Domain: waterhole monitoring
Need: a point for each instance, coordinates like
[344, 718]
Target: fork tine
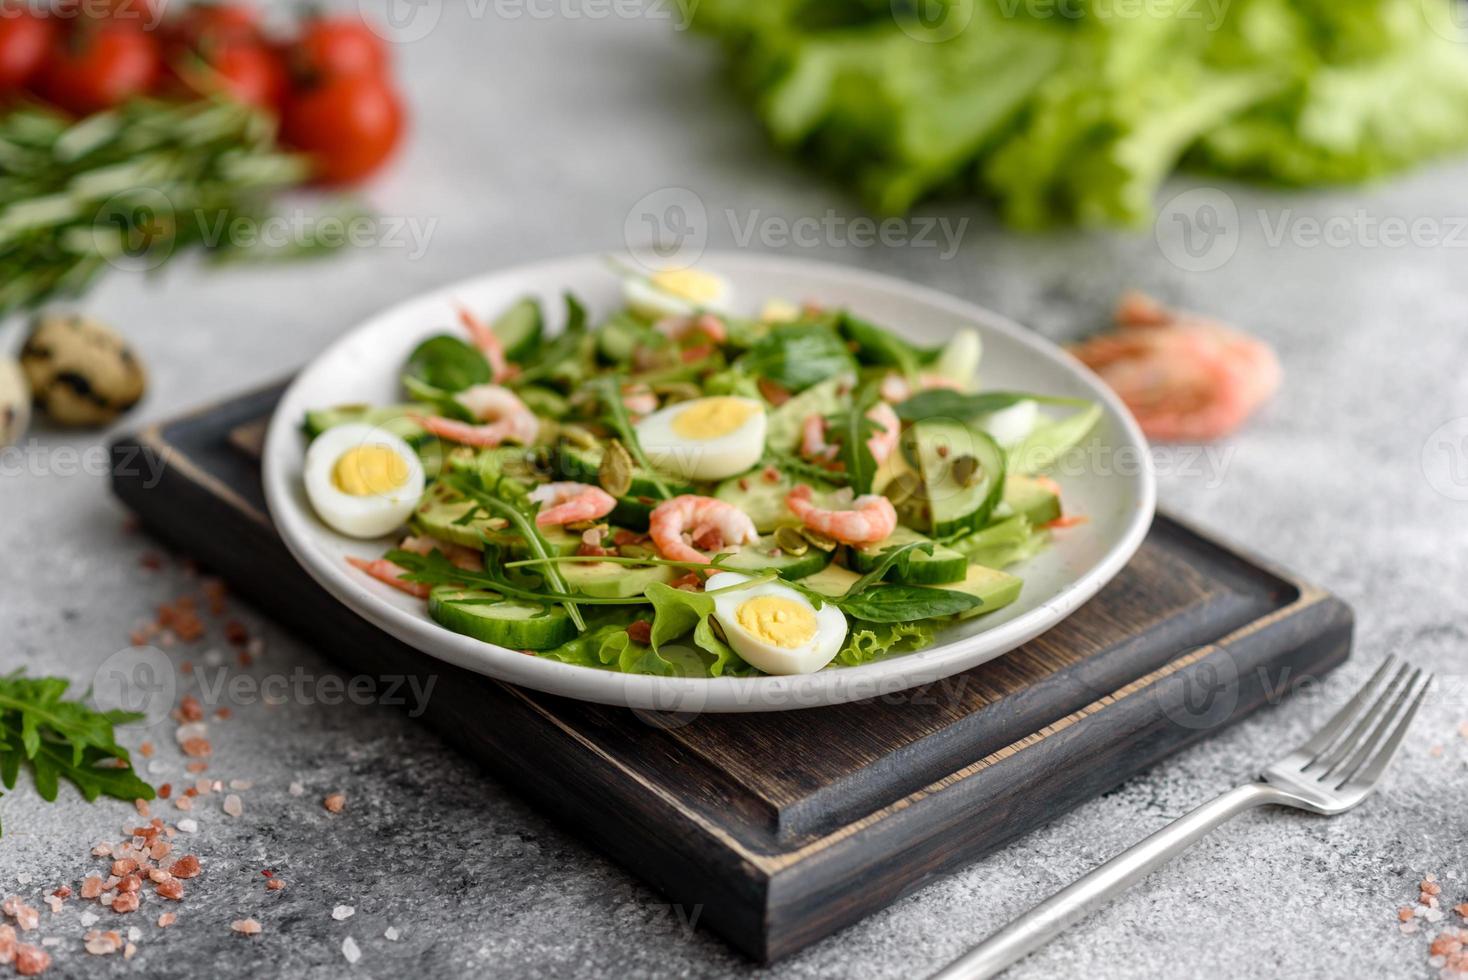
[1327, 761]
[1352, 756]
[1323, 738]
[1368, 776]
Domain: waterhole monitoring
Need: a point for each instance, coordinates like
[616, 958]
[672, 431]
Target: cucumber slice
[944, 565]
[393, 418]
[956, 504]
[519, 328]
[492, 618]
[607, 579]
[762, 499]
[765, 554]
[997, 589]
[620, 335]
[1031, 498]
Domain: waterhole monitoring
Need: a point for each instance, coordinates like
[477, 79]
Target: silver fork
[1331, 773]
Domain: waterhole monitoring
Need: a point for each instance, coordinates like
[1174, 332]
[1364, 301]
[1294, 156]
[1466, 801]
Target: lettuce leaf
[867, 642]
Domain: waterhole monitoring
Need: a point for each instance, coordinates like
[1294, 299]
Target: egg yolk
[690, 284]
[368, 471]
[709, 418]
[778, 621]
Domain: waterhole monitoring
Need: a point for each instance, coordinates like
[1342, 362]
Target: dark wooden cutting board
[781, 828]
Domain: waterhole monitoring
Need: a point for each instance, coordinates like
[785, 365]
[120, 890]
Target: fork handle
[1036, 927]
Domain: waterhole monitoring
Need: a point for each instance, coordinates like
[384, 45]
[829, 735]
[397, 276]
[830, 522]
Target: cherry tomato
[336, 46]
[217, 22]
[97, 67]
[349, 125]
[137, 14]
[25, 41]
[244, 70]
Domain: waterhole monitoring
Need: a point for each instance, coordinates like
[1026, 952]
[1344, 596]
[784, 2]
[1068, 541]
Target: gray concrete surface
[536, 136]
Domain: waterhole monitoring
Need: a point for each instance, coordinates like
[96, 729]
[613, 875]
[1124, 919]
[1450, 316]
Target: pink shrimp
[507, 418]
[1184, 377]
[869, 519]
[710, 524]
[488, 342]
[639, 399]
[565, 503]
[896, 388]
[813, 443]
[462, 557]
[683, 327]
[385, 571]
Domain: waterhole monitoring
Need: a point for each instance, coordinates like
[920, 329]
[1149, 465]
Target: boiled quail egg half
[705, 438]
[774, 627]
[363, 480]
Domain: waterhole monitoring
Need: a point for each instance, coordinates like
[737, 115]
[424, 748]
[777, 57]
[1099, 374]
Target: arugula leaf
[797, 355]
[854, 429]
[442, 401]
[436, 569]
[56, 738]
[885, 560]
[609, 389]
[564, 356]
[447, 364]
[948, 404]
[906, 603]
[878, 345]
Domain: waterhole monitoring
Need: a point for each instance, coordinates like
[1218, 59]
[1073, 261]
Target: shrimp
[462, 557]
[489, 344]
[507, 416]
[869, 519]
[639, 399]
[684, 327]
[1184, 377]
[385, 571]
[565, 503]
[897, 388]
[711, 524]
[813, 443]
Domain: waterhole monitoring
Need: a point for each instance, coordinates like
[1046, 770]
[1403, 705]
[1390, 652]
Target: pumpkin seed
[578, 436]
[791, 541]
[615, 472]
[822, 541]
[903, 488]
[966, 470]
[677, 391]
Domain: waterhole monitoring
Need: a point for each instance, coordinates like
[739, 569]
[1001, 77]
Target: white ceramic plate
[1114, 489]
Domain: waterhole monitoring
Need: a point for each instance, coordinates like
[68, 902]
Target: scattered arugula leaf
[853, 431]
[880, 346]
[57, 738]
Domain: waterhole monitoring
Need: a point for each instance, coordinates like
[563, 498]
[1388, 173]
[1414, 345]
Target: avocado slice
[995, 588]
[613, 580]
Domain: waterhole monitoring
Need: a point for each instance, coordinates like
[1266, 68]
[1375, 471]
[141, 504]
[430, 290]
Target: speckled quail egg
[705, 438]
[81, 371]
[774, 627]
[15, 402]
[363, 480]
[676, 292]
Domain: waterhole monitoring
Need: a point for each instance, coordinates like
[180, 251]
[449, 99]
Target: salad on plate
[682, 491]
